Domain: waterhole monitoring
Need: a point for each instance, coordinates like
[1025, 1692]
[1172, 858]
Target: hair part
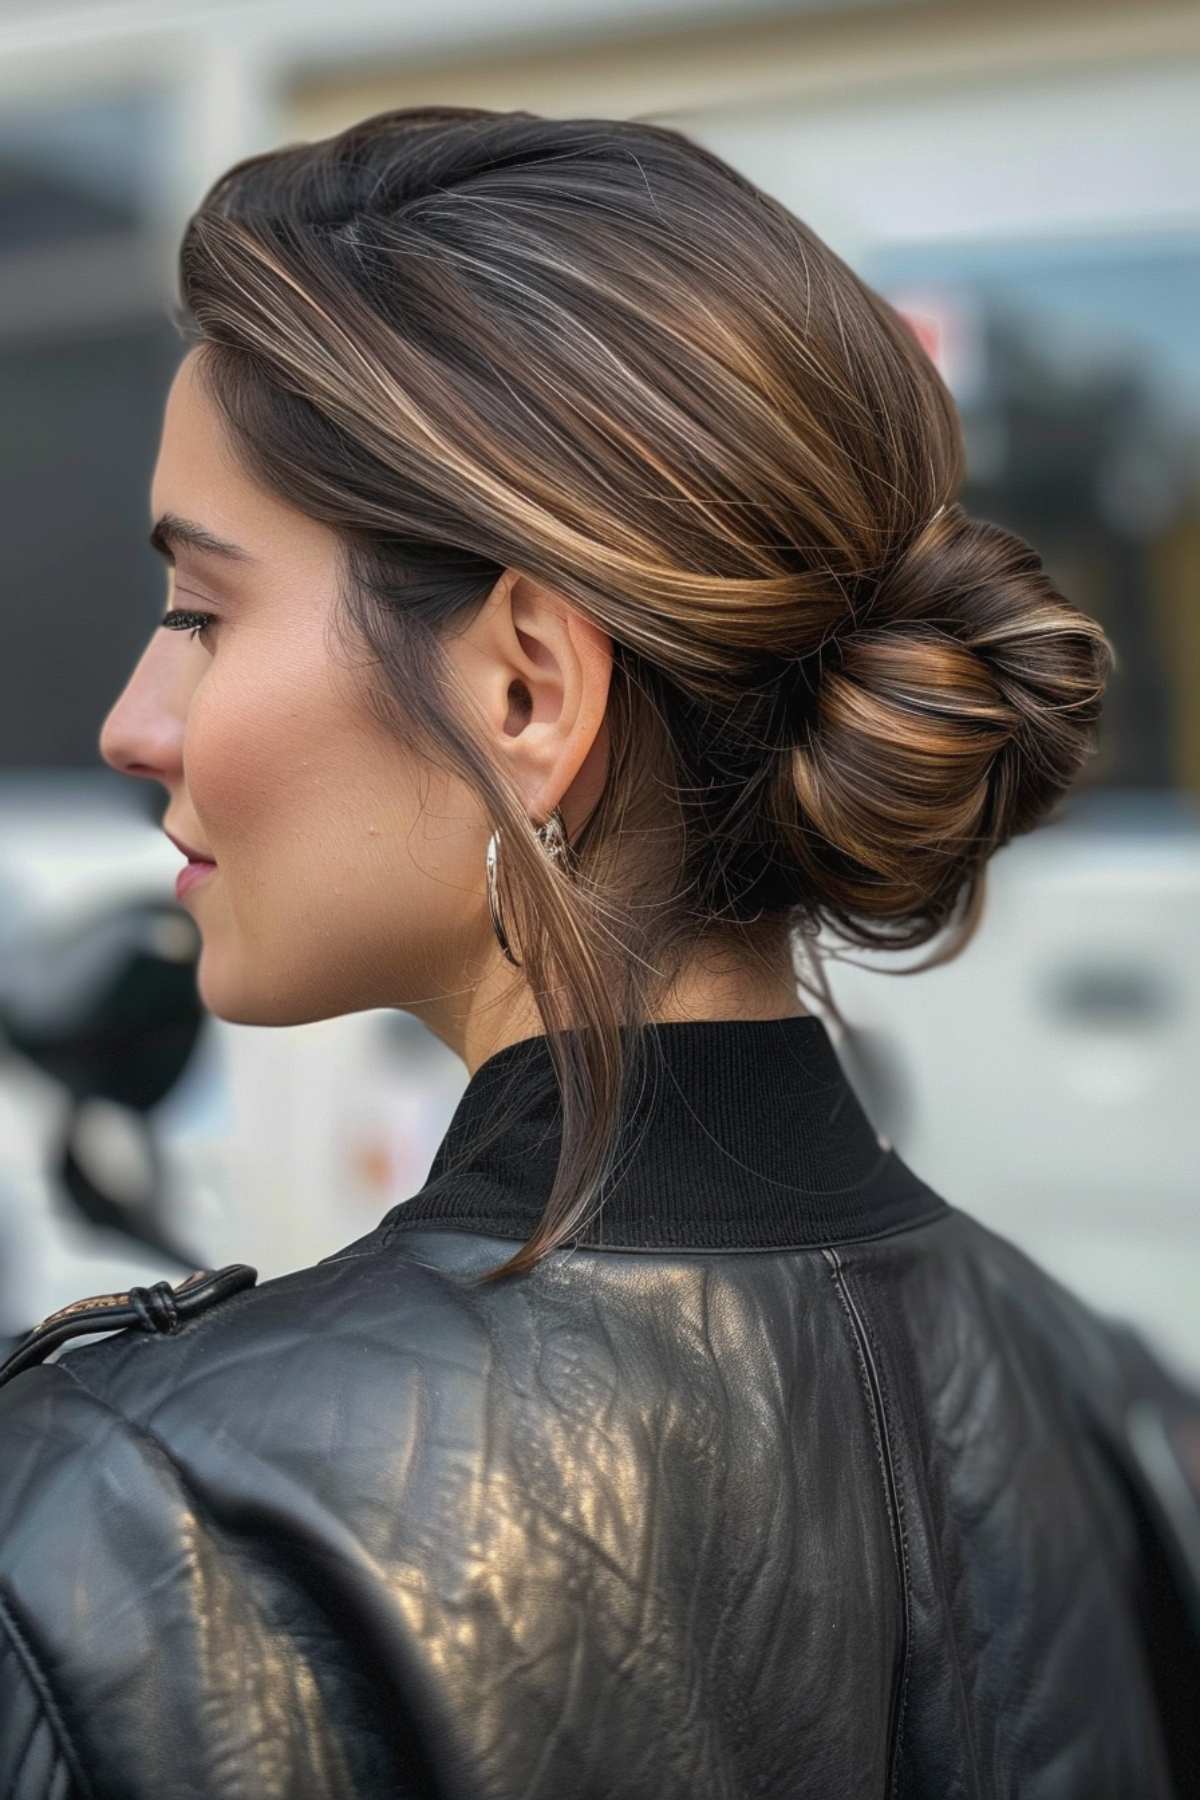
[590, 350]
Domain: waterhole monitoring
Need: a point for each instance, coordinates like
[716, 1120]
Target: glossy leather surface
[848, 1521]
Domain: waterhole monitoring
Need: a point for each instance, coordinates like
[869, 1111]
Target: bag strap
[161, 1308]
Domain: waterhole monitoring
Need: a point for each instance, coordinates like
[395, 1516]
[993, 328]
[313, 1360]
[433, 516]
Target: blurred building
[1024, 183]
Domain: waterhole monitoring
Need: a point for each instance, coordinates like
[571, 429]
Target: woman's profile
[571, 615]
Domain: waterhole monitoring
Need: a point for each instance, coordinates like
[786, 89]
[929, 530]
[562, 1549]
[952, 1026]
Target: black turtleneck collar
[745, 1134]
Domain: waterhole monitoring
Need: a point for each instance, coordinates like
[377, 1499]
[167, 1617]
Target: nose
[142, 734]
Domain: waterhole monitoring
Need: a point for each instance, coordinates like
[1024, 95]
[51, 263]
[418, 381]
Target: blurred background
[1024, 183]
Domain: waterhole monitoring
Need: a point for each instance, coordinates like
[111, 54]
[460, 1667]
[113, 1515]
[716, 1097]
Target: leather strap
[160, 1308]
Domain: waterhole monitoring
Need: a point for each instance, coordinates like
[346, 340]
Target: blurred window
[1076, 367]
[86, 354]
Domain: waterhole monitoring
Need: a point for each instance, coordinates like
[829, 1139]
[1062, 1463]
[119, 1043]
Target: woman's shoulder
[224, 1337]
[311, 1390]
[200, 1486]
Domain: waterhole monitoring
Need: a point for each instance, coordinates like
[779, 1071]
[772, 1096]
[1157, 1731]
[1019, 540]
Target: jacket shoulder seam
[196, 1499]
[35, 1675]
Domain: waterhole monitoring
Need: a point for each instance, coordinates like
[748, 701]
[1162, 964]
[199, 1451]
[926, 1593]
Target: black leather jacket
[790, 1481]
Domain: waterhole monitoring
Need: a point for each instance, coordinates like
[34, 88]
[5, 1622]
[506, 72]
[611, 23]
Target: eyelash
[178, 620]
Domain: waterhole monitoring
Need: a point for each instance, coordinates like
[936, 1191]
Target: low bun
[949, 716]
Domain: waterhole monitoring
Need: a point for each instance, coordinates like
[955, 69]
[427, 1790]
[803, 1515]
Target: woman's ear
[571, 657]
[540, 671]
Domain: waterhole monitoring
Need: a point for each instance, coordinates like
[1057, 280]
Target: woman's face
[349, 875]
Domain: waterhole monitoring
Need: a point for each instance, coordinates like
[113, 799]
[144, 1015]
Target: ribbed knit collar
[745, 1134]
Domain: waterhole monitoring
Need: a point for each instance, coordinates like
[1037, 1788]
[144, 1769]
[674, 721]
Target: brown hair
[590, 350]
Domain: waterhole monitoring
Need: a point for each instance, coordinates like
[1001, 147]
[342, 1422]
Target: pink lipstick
[187, 878]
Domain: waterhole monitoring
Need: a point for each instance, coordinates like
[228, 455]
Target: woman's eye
[194, 623]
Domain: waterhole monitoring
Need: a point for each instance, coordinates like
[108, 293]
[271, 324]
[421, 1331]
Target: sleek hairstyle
[590, 350]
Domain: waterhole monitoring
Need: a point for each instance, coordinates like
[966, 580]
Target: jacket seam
[36, 1678]
[872, 1272]
[874, 1392]
[481, 1227]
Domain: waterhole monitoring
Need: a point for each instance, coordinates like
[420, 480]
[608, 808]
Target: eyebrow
[170, 531]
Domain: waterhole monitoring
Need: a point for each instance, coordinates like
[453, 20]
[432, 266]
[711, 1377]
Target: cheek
[286, 773]
[336, 841]
[240, 750]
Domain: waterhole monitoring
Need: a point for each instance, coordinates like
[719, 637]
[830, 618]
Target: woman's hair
[591, 351]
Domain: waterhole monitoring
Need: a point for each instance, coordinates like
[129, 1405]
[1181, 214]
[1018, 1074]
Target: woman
[582, 617]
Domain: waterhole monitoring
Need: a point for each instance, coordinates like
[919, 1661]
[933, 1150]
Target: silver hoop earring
[552, 835]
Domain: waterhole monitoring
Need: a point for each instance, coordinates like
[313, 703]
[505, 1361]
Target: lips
[193, 856]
